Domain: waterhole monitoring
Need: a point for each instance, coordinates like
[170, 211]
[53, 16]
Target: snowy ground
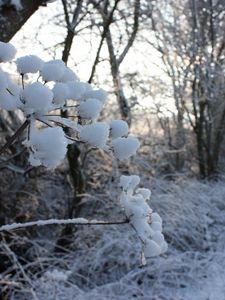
[104, 262]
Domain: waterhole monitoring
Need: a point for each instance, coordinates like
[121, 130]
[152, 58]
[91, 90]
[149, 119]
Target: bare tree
[112, 15]
[71, 20]
[190, 37]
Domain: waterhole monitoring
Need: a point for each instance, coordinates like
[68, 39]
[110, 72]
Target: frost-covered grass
[103, 262]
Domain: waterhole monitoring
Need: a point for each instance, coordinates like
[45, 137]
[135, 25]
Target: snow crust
[57, 275]
[56, 87]
[129, 183]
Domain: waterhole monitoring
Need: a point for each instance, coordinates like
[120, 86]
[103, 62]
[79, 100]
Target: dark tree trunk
[12, 20]
[73, 153]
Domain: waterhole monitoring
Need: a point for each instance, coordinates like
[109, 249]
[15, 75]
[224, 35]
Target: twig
[72, 139]
[75, 221]
[14, 136]
[20, 267]
[9, 92]
[106, 25]
[22, 77]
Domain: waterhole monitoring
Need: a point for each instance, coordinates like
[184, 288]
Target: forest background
[162, 63]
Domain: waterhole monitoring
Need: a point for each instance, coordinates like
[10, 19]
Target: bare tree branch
[106, 25]
[134, 32]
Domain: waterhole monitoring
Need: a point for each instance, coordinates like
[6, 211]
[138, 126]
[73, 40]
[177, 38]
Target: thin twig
[72, 139]
[66, 13]
[75, 221]
[22, 77]
[14, 136]
[9, 92]
[134, 32]
[106, 24]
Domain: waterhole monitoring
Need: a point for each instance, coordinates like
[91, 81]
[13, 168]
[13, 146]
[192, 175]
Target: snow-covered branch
[39, 102]
[75, 221]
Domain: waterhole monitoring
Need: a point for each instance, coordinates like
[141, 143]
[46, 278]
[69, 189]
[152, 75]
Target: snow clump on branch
[7, 52]
[125, 147]
[118, 128]
[47, 141]
[37, 99]
[42, 142]
[29, 64]
[95, 134]
[58, 87]
[148, 225]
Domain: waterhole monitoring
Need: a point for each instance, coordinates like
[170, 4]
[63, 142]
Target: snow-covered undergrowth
[103, 263]
[39, 103]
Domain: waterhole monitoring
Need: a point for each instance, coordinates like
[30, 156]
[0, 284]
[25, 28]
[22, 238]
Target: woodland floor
[103, 262]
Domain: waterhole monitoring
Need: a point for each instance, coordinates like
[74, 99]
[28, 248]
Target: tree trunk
[15, 19]
[121, 99]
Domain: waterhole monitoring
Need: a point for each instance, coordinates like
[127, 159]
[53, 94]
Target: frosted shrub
[40, 102]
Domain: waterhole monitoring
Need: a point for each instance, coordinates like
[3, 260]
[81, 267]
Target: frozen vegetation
[39, 103]
[103, 262]
[46, 141]
[116, 261]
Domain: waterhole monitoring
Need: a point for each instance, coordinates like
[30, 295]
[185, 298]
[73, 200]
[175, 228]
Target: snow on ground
[104, 262]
